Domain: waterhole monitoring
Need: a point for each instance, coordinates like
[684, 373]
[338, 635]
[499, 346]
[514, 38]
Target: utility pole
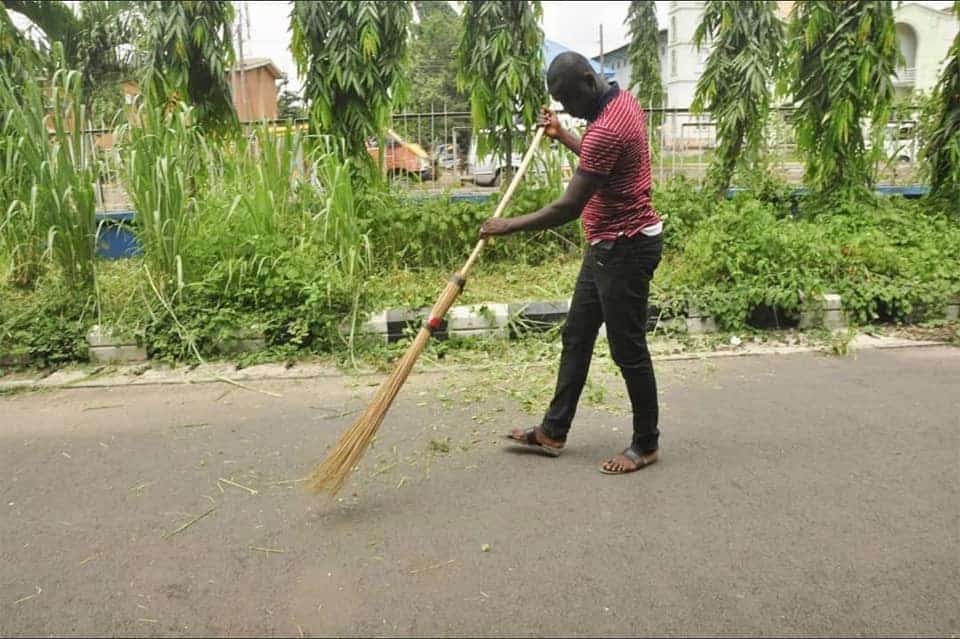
[241, 63]
[601, 53]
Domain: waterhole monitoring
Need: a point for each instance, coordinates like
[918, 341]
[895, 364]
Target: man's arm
[570, 140]
[566, 209]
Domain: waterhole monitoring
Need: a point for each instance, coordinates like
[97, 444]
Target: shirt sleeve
[600, 150]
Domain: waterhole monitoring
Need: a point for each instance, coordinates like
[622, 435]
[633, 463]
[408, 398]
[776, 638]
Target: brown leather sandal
[639, 460]
[530, 441]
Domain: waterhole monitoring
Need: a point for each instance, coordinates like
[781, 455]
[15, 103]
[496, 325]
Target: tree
[189, 51]
[842, 58]
[430, 8]
[352, 56]
[737, 82]
[289, 104]
[433, 71]
[17, 55]
[500, 65]
[942, 151]
[96, 42]
[643, 55]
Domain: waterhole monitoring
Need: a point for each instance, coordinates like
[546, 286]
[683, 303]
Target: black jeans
[613, 288]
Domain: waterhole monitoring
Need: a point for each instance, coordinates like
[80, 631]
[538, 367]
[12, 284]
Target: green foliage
[266, 249]
[46, 326]
[352, 56]
[682, 206]
[942, 151]
[17, 55]
[736, 84]
[96, 39]
[289, 104]
[842, 58]
[500, 65]
[46, 187]
[746, 254]
[644, 57]
[433, 71]
[422, 232]
[189, 52]
[294, 298]
[159, 156]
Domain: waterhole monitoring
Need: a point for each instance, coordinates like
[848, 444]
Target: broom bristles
[332, 473]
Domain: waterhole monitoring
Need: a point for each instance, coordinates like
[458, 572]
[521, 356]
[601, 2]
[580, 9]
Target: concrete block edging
[484, 320]
[494, 320]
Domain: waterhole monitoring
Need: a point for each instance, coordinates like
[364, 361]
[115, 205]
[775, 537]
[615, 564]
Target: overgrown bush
[894, 260]
[46, 326]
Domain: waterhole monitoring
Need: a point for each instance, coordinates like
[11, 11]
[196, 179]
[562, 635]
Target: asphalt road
[796, 495]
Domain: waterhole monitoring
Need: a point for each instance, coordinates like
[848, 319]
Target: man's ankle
[547, 440]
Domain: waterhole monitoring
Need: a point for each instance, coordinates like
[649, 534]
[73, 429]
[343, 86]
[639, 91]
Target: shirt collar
[612, 92]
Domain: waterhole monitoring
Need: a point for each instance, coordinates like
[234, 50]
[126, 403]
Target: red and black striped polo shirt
[614, 150]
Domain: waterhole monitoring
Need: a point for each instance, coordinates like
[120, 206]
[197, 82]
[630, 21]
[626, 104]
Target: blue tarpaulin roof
[552, 49]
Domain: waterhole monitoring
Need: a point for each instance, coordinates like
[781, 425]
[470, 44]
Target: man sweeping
[611, 191]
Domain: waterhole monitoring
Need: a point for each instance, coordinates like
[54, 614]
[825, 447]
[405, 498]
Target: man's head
[573, 82]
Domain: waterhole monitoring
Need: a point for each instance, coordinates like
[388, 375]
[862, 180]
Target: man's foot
[627, 462]
[537, 439]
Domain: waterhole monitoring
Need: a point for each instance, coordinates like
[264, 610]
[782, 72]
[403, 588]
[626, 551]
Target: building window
[673, 28]
[673, 63]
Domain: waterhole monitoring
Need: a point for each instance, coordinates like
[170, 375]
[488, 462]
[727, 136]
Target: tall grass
[160, 157]
[49, 173]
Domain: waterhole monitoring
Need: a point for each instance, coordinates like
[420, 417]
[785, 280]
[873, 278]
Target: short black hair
[567, 65]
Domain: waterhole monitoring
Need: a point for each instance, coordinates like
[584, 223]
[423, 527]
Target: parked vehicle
[487, 170]
[403, 159]
[444, 157]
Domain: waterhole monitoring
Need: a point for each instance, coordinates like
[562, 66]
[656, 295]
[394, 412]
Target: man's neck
[604, 99]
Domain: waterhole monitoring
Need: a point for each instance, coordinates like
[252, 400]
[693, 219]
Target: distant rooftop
[552, 49]
[249, 64]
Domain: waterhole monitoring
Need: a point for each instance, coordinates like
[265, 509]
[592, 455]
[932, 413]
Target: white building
[924, 35]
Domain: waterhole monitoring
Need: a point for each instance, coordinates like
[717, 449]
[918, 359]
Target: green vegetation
[433, 71]
[942, 154]
[351, 55]
[842, 58]
[189, 50]
[500, 60]
[736, 83]
[644, 56]
[47, 180]
[96, 39]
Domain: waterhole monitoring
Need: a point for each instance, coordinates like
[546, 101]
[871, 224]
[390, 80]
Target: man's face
[575, 95]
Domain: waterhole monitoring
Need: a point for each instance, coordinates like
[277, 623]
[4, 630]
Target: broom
[332, 472]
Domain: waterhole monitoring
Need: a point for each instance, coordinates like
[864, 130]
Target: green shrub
[894, 260]
[297, 299]
[47, 326]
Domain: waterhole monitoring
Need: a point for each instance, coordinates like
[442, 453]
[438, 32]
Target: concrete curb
[216, 373]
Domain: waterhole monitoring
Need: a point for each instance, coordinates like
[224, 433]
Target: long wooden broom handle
[506, 198]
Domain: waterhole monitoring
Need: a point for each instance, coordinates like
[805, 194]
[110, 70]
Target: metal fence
[681, 143]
